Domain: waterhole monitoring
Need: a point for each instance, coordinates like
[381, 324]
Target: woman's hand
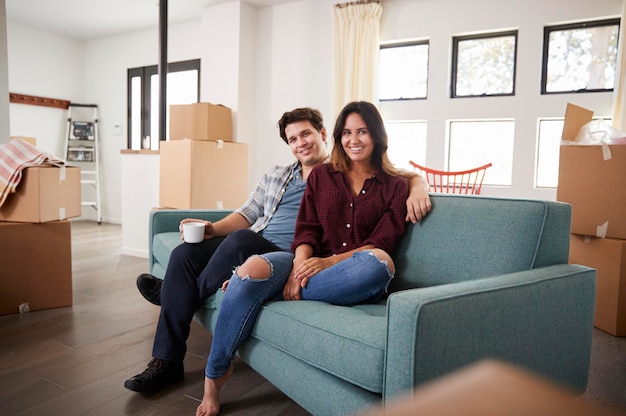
[291, 291]
[225, 285]
[418, 202]
[310, 267]
[417, 206]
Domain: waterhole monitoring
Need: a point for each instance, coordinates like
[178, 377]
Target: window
[548, 151]
[484, 65]
[477, 142]
[548, 148]
[407, 141]
[579, 57]
[183, 87]
[404, 71]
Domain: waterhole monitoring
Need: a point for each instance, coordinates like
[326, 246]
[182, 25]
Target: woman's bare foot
[210, 405]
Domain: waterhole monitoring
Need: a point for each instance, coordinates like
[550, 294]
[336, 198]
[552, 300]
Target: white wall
[106, 64]
[93, 72]
[294, 69]
[46, 65]
[432, 19]
[284, 60]
[4, 77]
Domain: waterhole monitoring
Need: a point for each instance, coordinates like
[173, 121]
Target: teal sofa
[479, 277]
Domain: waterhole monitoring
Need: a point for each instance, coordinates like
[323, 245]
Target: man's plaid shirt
[262, 203]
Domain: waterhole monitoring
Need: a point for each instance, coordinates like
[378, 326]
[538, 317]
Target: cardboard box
[45, 193]
[593, 180]
[201, 121]
[30, 140]
[490, 388]
[608, 257]
[575, 118]
[36, 271]
[203, 174]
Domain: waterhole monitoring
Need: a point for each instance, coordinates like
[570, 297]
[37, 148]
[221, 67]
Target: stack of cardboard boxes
[35, 239]
[200, 166]
[592, 178]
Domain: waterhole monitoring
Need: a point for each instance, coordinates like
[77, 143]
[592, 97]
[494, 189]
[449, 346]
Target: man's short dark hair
[300, 114]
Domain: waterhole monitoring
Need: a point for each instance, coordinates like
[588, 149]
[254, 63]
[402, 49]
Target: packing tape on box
[606, 152]
[61, 213]
[62, 173]
[587, 239]
[220, 205]
[601, 230]
[220, 144]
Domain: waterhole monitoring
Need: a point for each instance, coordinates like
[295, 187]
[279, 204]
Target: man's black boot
[160, 373]
[150, 288]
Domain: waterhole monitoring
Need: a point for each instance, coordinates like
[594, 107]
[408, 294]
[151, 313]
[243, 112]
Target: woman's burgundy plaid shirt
[334, 221]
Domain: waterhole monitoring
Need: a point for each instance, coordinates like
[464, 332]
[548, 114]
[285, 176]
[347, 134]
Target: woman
[350, 219]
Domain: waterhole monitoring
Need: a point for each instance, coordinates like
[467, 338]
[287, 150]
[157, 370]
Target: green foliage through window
[484, 65]
[580, 57]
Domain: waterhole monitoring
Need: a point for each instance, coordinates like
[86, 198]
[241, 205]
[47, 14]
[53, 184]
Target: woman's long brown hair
[376, 127]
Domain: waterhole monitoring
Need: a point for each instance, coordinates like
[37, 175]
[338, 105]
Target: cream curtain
[619, 93]
[356, 44]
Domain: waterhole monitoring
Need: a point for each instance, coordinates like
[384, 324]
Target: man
[265, 223]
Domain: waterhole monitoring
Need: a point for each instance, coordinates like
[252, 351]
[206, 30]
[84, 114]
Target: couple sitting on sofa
[351, 216]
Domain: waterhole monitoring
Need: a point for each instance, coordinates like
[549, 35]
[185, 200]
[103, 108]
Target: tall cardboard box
[593, 180]
[45, 193]
[608, 257]
[201, 121]
[198, 174]
[35, 266]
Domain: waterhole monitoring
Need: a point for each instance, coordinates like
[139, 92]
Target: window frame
[421, 123]
[478, 36]
[146, 73]
[402, 45]
[496, 166]
[604, 119]
[571, 26]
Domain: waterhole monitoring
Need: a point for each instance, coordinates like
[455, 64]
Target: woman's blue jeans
[195, 272]
[358, 279]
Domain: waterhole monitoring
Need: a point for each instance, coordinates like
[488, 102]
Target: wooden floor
[73, 361]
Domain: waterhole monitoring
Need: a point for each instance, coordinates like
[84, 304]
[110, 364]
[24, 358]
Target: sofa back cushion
[471, 237]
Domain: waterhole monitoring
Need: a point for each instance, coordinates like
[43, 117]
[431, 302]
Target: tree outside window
[484, 65]
[580, 57]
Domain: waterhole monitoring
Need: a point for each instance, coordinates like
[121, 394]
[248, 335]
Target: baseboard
[134, 252]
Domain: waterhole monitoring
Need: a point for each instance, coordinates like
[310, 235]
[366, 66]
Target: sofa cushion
[162, 246]
[348, 342]
[467, 238]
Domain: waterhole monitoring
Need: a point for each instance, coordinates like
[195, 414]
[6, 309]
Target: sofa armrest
[168, 220]
[540, 319]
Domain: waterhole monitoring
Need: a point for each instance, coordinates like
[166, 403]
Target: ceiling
[92, 19]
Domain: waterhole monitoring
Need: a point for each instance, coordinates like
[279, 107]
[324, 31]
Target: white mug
[193, 232]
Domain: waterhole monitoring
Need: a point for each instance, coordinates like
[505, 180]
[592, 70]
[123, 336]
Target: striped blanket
[16, 156]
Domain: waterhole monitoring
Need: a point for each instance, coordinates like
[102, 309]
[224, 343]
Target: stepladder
[82, 150]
